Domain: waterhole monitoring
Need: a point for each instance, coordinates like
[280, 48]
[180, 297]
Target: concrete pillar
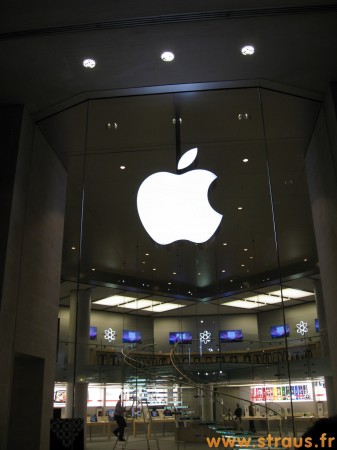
[32, 195]
[324, 345]
[207, 402]
[78, 353]
[320, 162]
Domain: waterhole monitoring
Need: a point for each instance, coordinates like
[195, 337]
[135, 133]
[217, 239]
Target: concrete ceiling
[281, 87]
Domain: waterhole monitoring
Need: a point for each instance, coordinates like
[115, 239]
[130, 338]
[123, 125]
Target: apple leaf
[187, 158]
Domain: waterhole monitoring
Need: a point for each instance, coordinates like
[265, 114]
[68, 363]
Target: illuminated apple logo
[176, 207]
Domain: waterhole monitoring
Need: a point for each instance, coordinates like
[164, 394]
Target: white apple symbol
[175, 207]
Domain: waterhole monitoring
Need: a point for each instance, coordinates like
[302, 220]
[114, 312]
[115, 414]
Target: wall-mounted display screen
[278, 331]
[182, 337]
[59, 395]
[92, 333]
[230, 335]
[320, 392]
[316, 325]
[132, 337]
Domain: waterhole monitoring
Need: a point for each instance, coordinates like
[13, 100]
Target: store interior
[187, 330]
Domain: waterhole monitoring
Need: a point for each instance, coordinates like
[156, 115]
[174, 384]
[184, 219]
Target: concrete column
[207, 402]
[324, 345]
[320, 162]
[78, 353]
[32, 195]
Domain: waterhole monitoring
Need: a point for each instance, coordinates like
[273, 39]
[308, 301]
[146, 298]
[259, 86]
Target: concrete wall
[117, 322]
[321, 164]
[213, 324]
[293, 316]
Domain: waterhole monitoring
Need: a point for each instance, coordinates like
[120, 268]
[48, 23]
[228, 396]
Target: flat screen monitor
[92, 333]
[135, 412]
[277, 331]
[316, 325]
[60, 396]
[182, 337]
[132, 337]
[154, 414]
[230, 336]
[167, 413]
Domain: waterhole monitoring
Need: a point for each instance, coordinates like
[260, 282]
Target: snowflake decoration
[110, 335]
[205, 337]
[302, 328]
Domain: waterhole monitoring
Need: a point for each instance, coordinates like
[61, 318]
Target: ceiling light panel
[114, 300]
[139, 304]
[264, 298]
[164, 307]
[292, 293]
[242, 304]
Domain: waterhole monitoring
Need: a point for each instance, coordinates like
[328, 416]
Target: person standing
[251, 422]
[119, 418]
[238, 413]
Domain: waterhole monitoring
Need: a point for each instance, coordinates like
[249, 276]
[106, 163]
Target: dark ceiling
[208, 85]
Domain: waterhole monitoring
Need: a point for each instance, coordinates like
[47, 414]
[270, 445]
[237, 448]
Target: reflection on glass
[250, 294]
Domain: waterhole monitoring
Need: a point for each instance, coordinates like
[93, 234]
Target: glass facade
[191, 327]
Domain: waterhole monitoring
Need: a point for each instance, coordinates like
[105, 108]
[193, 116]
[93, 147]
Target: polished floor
[141, 443]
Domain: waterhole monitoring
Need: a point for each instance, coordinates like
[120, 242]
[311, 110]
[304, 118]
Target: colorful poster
[282, 392]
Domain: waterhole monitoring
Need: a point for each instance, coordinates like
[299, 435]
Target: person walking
[119, 418]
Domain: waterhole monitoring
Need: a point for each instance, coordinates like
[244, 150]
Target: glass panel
[177, 325]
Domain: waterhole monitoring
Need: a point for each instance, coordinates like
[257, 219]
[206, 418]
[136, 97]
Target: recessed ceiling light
[223, 271]
[110, 125]
[122, 167]
[245, 249]
[147, 254]
[248, 50]
[240, 207]
[73, 248]
[167, 56]
[89, 63]
[93, 269]
[245, 160]
[225, 243]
